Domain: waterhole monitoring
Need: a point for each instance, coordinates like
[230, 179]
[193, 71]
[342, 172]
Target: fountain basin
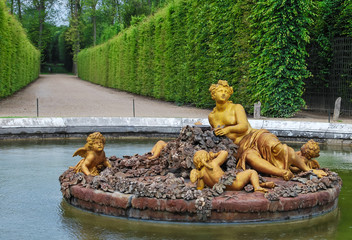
[229, 207]
[160, 188]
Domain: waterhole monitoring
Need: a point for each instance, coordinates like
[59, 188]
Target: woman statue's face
[221, 95]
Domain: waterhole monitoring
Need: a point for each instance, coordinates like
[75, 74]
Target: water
[32, 206]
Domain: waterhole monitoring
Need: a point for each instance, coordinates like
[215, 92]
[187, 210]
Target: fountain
[227, 173]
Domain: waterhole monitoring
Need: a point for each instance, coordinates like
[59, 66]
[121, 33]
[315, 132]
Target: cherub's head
[201, 158]
[96, 141]
[222, 84]
[310, 149]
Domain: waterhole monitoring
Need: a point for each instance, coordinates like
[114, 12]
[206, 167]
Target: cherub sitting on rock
[208, 172]
[93, 155]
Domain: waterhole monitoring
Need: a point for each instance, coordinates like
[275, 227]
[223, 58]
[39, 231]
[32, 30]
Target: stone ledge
[128, 126]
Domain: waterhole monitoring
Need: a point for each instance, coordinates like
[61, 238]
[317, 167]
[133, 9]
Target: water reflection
[32, 206]
[93, 226]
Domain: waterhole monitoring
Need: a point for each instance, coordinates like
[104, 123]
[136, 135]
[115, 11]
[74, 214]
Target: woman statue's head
[222, 84]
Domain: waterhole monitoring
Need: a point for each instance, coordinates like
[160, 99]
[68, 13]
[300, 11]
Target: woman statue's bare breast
[222, 119]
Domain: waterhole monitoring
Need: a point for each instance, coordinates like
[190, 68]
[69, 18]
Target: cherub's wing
[81, 152]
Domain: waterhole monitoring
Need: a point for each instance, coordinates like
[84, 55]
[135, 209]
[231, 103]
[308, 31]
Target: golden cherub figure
[308, 151]
[208, 172]
[93, 155]
[156, 151]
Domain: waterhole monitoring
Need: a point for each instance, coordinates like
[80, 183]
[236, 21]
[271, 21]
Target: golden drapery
[265, 145]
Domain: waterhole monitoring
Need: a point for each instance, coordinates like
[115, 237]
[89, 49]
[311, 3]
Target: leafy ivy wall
[278, 65]
[19, 59]
[190, 44]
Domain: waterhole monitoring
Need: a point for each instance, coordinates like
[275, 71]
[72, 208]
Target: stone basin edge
[14, 128]
[231, 207]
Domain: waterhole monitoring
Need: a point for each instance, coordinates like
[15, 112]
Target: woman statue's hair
[221, 83]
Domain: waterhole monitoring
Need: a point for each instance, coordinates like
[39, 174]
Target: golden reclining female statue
[258, 148]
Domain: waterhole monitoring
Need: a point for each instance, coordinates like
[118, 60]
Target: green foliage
[35, 18]
[72, 36]
[258, 46]
[344, 18]
[332, 19]
[64, 50]
[177, 53]
[278, 66]
[130, 11]
[324, 30]
[19, 59]
[107, 32]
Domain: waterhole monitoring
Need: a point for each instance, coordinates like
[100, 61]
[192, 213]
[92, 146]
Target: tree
[73, 34]
[92, 13]
[11, 7]
[19, 10]
[109, 11]
[35, 16]
[134, 8]
[40, 6]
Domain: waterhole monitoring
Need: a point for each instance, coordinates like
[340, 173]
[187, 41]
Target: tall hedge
[176, 54]
[19, 59]
[258, 46]
[278, 65]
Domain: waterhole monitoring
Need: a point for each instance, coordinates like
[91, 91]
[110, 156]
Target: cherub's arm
[214, 155]
[314, 164]
[106, 162]
[294, 168]
[240, 127]
[87, 162]
[221, 158]
[300, 163]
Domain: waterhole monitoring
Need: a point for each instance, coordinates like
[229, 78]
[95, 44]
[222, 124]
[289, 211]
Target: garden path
[63, 95]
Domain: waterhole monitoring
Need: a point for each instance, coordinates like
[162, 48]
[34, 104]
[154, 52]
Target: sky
[61, 17]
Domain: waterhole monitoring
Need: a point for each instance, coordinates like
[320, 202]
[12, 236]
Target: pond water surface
[32, 206]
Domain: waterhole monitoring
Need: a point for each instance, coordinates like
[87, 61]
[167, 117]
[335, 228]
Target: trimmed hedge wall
[179, 52]
[19, 59]
[176, 54]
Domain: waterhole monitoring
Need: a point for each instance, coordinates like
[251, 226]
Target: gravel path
[62, 95]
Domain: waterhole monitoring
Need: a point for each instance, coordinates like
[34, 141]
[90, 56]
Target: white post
[257, 109]
[337, 109]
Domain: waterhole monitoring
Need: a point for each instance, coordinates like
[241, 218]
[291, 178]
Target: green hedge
[180, 51]
[176, 54]
[19, 59]
[278, 65]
